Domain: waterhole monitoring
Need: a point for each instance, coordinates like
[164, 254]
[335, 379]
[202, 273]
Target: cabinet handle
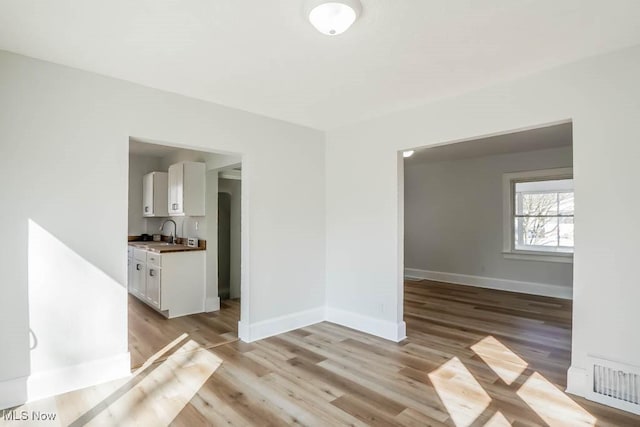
[174, 206]
[146, 208]
[152, 272]
[138, 267]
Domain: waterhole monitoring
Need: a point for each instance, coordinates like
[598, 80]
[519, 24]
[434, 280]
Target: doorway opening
[176, 278]
[229, 235]
[224, 245]
[488, 240]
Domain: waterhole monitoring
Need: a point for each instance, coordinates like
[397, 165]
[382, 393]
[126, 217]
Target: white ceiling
[264, 56]
[530, 140]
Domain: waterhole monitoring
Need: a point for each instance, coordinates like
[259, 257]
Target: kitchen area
[173, 250]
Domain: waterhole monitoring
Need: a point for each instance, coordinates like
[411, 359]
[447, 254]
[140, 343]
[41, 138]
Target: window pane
[566, 203]
[536, 203]
[536, 232]
[566, 232]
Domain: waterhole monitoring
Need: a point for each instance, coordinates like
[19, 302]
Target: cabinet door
[147, 195]
[139, 279]
[175, 189]
[152, 294]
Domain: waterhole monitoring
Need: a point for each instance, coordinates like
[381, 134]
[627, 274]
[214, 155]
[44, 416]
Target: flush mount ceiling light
[408, 153]
[333, 17]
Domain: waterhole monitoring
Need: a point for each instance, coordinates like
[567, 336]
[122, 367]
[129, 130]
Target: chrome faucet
[173, 237]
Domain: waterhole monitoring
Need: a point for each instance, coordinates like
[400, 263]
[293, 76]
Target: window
[539, 211]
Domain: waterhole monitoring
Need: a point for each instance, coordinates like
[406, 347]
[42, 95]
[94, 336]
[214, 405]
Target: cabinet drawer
[155, 259]
[140, 255]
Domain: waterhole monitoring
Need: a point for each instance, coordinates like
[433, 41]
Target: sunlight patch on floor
[161, 395]
[504, 362]
[498, 420]
[552, 405]
[150, 361]
[461, 394]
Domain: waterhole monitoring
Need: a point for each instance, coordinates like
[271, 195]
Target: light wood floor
[149, 332]
[473, 357]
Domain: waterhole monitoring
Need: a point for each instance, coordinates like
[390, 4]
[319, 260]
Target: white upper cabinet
[154, 194]
[186, 189]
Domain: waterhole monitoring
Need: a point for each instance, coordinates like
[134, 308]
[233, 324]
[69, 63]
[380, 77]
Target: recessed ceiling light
[333, 17]
[408, 153]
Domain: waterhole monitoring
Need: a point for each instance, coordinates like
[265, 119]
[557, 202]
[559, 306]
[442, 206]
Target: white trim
[212, 304]
[381, 328]
[243, 331]
[395, 332]
[58, 381]
[507, 213]
[245, 253]
[401, 332]
[538, 256]
[279, 325]
[13, 392]
[534, 288]
[577, 382]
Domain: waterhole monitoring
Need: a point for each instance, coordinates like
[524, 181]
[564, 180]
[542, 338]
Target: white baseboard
[543, 289]
[212, 304]
[51, 383]
[13, 392]
[577, 381]
[279, 325]
[243, 331]
[381, 328]
[388, 330]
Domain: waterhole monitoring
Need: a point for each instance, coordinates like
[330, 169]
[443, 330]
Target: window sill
[539, 256]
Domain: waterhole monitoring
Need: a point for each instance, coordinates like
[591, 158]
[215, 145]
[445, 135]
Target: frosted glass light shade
[334, 17]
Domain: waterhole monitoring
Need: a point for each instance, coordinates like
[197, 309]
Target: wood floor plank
[244, 401]
[323, 410]
[407, 393]
[379, 400]
[365, 411]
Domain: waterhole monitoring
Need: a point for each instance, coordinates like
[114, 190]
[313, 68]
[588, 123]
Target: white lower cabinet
[172, 283]
[139, 279]
[152, 293]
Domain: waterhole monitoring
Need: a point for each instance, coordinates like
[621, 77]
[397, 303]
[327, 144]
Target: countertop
[164, 247]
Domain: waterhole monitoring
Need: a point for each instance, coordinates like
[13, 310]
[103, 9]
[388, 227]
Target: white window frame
[508, 199]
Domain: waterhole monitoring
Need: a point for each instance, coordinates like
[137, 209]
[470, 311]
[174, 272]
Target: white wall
[453, 222]
[601, 95]
[64, 139]
[233, 187]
